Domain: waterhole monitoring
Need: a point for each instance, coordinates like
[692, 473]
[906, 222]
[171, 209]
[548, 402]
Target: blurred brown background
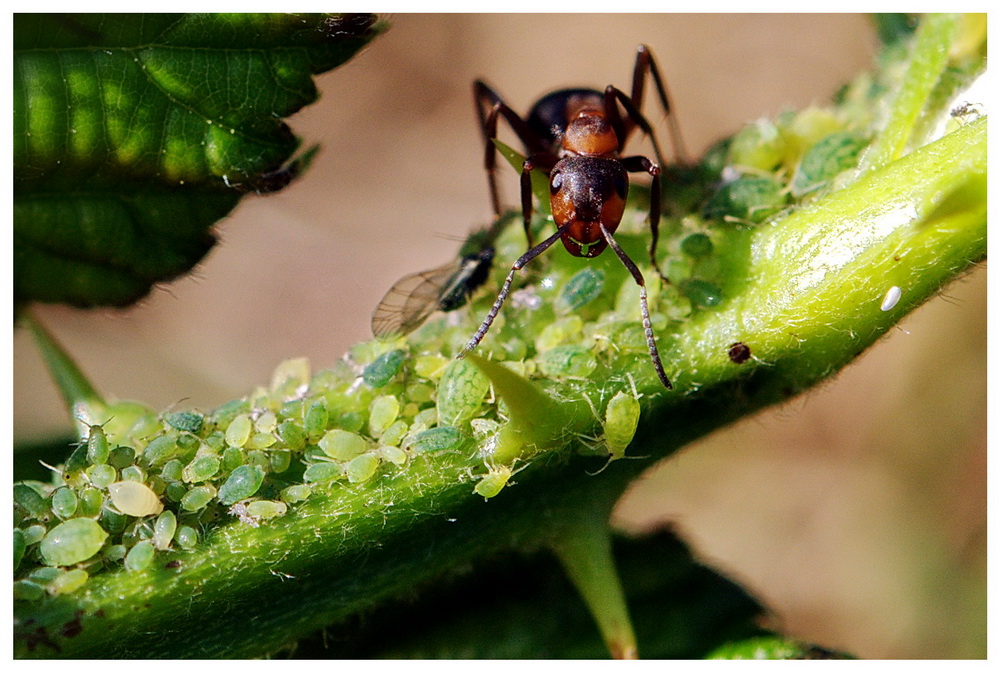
[857, 512]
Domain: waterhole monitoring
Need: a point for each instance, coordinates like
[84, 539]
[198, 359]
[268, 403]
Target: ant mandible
[576, 136]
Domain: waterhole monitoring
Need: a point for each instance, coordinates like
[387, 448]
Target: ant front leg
[521, 262]
[640, 164]
[645, 65]
[647, 326]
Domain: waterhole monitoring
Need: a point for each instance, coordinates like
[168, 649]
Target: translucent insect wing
[411, 299]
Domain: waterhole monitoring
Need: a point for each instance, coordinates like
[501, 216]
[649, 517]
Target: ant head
[586, 191]
[590, 133]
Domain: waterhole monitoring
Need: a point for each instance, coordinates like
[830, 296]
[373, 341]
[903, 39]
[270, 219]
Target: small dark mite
[576, 137]
[739, 352]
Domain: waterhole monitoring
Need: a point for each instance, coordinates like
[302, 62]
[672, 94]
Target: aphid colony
[142, 487]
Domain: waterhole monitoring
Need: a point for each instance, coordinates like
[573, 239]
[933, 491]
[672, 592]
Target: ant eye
[555, 184]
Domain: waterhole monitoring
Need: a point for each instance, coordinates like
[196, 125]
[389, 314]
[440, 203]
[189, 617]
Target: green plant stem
[930, 56]
[583, 545]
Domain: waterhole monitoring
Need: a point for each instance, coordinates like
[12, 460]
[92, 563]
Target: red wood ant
[576, 136]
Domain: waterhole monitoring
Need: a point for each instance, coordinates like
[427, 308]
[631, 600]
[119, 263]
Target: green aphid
[224, 415]
[562, 331]
[322, 472]
[202, 468]
[419, 392]
[295, 493]
[362, 468]
[216, 441]
[443, 438]
[19, 547]
[316, 420]
[430, 366]
[758, 145]
[261, 440]
[34, 534]
[91, 502]
[570, 360]
[114, 553]
[279, 460]
[259, 458]
[197, 498]
[102, 475]
[266, 423]
[342, 445]
[232, 458]
[242, 483]
[494, 481]
[64, 502]
[68, 582]
[30, 501]
[291, 435]
[133, 473]
[185, 421]
[697, 245]
[187, 537]
[239, 430]
[394, 434]
[460, 392]
[72, 541]
[145, 426]
[45, 574]
[172, 470]
[121, 457]
[26, 590]
[383, 368]
[701, 292]
[98, 449]
[140, 556]
[825, 160]
[175, 491]
[266, 509]
[749, 198]
[77, 459]
[621, 418]
[382, 413]
[393, 454]
[352, 421]
[164, 529]
[162, 449]
[112, 521]
[586, 285]
[425, 418]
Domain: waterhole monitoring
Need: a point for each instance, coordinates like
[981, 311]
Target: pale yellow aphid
[134, 499]
[494, 481]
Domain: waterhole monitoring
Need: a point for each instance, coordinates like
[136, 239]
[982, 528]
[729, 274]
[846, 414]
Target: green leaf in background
[134, 134]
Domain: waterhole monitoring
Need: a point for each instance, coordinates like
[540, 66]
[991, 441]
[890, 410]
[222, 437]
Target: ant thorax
[589, 134]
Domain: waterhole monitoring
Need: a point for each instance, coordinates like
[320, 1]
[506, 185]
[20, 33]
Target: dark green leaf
[134, 134]
[524, 607]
